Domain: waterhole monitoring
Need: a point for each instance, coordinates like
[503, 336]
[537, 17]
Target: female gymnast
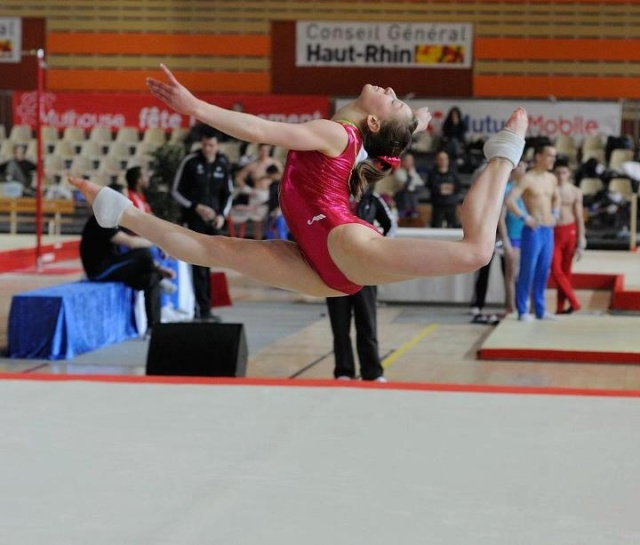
[335, 253]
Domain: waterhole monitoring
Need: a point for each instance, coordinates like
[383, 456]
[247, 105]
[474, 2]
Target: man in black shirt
[203, 187]
[19, 169]
[446, 192]
[362, 305]
[105, 260]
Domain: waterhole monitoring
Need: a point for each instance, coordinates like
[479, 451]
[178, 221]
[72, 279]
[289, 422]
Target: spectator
[445, 189]
[362, 305]
[59, 190]
[568, 238]
[508, 247]
[104, 261]
[276, 224]
[256, 188]
[407, 183]
[454, 135]
[481, 284]
[20, 169]
[202, 186]
[539, 191]
[137, 183]
[257, 169]
[513, 240]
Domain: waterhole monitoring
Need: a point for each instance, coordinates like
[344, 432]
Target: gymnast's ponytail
[383, 149]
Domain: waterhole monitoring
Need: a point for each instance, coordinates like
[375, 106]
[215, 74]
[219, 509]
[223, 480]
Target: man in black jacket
[446, 192]
[203, 187]
[362, 305]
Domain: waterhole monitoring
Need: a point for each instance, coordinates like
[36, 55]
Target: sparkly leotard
[314, 198]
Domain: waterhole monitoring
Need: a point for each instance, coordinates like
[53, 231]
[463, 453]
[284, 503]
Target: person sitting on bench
[113, 255]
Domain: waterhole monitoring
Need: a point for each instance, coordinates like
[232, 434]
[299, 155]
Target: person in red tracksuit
[568, 238]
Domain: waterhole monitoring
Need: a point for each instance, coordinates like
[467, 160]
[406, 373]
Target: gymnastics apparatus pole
[39, 163]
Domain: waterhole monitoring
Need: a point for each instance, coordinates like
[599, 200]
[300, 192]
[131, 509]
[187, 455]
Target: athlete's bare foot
[518, 122]
[508, 144]
[88, 189]
[108, 204]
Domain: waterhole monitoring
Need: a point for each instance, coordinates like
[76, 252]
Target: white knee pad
[506, 145]
[108, 207]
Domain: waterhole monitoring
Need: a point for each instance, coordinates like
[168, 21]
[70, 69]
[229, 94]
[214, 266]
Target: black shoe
[493, 319]
[212, 318]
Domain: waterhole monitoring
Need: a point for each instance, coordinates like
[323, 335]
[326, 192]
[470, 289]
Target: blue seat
[63, 321]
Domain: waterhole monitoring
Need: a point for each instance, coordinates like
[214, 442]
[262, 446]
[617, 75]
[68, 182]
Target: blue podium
[61, 322]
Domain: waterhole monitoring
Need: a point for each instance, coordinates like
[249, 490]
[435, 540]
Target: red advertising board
[87, 110]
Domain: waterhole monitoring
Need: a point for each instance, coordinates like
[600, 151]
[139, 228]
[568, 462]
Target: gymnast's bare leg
[274, 262]
[372, 260]
[364, 257]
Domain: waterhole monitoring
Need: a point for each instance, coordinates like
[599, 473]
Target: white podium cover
[442, 289]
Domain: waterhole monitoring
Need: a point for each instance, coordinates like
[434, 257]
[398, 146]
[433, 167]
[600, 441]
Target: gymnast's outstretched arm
[318, 134]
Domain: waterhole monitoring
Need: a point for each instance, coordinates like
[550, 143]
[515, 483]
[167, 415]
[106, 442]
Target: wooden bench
[23, 210]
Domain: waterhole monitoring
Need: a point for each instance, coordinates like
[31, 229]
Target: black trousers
[441, 213]
[482, 284]
[201, 290]
[200, 275]
[137, 269]
[362, 306]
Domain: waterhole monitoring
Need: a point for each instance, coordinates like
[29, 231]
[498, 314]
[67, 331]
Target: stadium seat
[20, 134]
[154, 136]
[619, 156]
[622, 186]
[591, 186]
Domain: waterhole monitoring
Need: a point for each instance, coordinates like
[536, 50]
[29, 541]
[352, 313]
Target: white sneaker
[381, 379]
[474, 311]
[525, 318]
[549, 317]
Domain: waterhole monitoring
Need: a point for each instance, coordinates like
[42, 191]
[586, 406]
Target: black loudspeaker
[198, 349]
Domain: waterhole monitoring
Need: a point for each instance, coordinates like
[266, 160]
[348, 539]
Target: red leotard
[314, 198]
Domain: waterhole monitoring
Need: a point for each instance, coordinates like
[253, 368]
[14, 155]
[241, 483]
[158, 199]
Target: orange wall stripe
[134, 80]
[573, 3]
[556, 49]
[114, 43]
[558, 86]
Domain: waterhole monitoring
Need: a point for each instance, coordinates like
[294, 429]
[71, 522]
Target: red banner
[144, 111]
